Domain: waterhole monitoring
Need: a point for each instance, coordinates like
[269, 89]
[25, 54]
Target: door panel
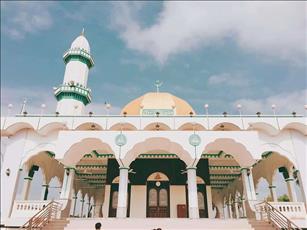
[158, 199]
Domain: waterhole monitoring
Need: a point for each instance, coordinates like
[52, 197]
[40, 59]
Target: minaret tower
[73, 95]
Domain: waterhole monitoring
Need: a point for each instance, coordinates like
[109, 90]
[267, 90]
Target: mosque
[156, 159]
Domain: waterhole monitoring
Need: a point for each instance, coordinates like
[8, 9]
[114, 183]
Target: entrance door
[158, 199]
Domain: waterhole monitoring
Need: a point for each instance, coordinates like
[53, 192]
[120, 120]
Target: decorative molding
[78, 54]
[76, 92]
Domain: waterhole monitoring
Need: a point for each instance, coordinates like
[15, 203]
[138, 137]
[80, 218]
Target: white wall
[138, 201]
[177, 196]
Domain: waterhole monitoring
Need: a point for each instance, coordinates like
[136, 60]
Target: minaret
[73, 95]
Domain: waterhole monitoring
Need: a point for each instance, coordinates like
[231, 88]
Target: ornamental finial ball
[305, 107]
[206, 106]
[273, 106]
[43, 106]
[239, 106]
[10, 106]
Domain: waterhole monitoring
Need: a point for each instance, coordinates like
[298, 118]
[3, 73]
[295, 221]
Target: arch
[17, 127]
[123, 126]
[300, 127]
[262, 126]
[157, 176]
[48, 164]
[53, 126]
[226, 126]
[157, 144]
[89, 126]
[159, 126]
[230, 146]
[76, 151]
[192, 126]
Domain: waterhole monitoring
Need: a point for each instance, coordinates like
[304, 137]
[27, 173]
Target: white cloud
[285, 103]
[274, 29]
[24, 17]
[235, 80]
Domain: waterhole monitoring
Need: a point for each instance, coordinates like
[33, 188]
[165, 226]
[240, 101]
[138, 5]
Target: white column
[44, 193]
[209, 201]
[67, 183]
[121, 211]
[236, 209]
[229, 210]
[291, 189]
[273, 193]
[26, 188]
[74, 205]
[243, 208]
[192, 193]
[248, 183]
[82, 207]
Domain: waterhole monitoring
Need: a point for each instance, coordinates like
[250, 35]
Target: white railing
[292, 210]
[28, 208]
[274, 216]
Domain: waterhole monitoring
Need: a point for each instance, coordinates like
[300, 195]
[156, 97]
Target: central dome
[164, 103]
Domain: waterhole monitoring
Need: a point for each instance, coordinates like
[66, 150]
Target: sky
[216, 53]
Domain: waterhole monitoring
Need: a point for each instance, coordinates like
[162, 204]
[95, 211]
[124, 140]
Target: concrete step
[57, 224]
[260, 224]
[153, 223]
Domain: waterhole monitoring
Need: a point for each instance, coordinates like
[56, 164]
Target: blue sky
[204, 52]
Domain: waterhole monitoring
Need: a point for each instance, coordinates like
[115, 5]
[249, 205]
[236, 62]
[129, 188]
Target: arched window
[163, 199]
[201, 200]
[153, 198]
[114, 199]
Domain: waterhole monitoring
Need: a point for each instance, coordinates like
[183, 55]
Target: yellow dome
[164, 103]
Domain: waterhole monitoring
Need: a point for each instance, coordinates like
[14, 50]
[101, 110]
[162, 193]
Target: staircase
[260, 224]
[163, 223]
[58, 224]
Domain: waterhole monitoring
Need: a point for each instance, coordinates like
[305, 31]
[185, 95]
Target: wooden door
[158, 199]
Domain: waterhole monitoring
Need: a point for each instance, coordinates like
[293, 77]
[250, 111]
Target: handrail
[275, 217]
[42, 217]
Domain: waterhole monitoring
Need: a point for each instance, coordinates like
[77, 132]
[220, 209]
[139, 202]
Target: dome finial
[82, 32]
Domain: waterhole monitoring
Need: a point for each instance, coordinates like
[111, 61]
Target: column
[74, 205]
[192, 193]
[121, 211]
[26, 188]
[229, 210]
[236, 209]
[81, 207]
[248, 183]
[45, 190]
[291, 189]
[243, 208]
[93, 210]
[209, 201]
[67, 183]
[88, 208]
[273, 193]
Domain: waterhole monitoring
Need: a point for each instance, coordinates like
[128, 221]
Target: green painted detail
[225, 175]
[78, 54]
[224, 167]
[284, 172]
[161, 112]
[221, 154]
[50, 154]
[266, 154]
[75, 92]
[158, 155]
[33, 169]
[98, 155]
[92, 166]
[223, 179]
[91, 174]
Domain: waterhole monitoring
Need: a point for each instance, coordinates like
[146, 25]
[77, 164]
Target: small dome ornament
[120, 140]
[194, 140]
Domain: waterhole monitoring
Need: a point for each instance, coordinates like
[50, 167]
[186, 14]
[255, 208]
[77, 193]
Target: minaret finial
[82, 32]
[158, 84]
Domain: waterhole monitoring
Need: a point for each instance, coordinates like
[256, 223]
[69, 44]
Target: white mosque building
[156, 159]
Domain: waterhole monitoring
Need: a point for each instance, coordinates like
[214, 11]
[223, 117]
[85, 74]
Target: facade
[155, 159]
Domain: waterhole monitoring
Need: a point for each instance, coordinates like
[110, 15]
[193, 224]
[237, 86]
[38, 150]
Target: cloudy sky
[220, 53]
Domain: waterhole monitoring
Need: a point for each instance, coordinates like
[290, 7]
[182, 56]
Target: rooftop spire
[82, 32]
[158, 84]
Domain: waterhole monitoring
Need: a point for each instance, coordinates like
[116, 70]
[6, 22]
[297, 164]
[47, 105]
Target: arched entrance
[158, 195]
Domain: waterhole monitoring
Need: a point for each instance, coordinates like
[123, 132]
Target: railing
[28, 208]
[274, 216]
[43, 217]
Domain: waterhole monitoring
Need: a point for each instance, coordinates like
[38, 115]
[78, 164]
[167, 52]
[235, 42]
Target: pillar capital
[191, 168]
